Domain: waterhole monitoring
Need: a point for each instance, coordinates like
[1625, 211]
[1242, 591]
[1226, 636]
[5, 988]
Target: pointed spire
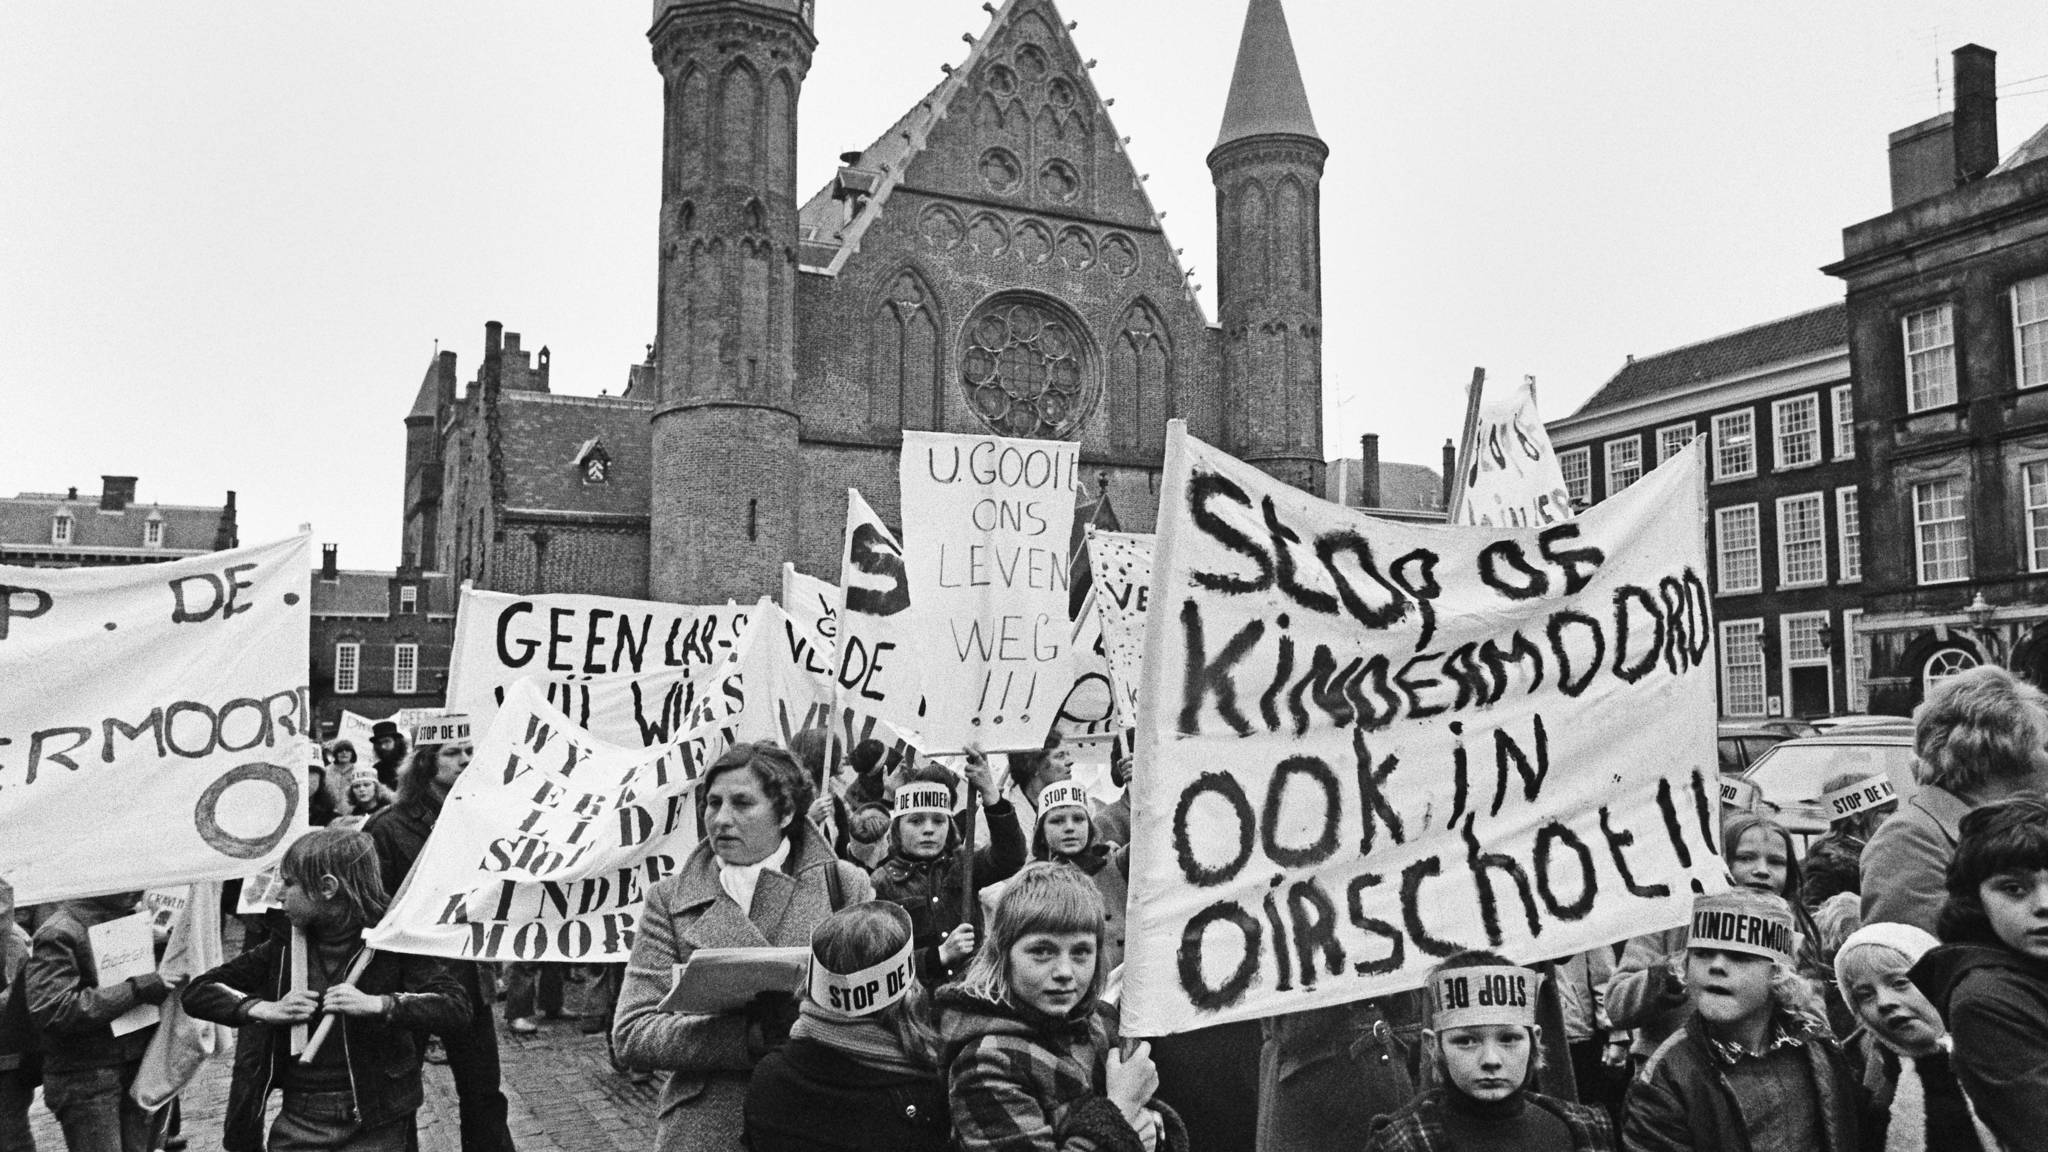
[1266, 93]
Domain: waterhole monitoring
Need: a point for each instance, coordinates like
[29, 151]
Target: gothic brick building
[990, 262]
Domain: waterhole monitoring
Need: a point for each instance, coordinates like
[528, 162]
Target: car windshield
[1798, 773]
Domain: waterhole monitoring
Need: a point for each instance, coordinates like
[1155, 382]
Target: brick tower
[1268, 168]
[723, 506]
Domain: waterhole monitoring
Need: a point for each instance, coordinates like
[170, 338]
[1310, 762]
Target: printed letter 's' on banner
[152, 720]
[1513, 477]
[546, 847]
[622, 668]
[1122, 566]
[814, 606]
[987, 521]
[1366, 745]
[879, 673]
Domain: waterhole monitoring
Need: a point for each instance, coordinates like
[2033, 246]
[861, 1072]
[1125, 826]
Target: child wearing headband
[1066, 835]
[925, 871]
[1484, 1042]
[1027, 1044]
[860, 1068]
[1753, 1066]
[361, 1089]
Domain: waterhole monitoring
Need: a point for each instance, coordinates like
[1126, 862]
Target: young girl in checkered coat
[1028, 1045]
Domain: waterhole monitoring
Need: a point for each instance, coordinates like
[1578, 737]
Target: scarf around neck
[865, 1038]
[740, 880]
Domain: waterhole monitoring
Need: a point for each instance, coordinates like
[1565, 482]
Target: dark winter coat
[931, 890]
[1996, 1004]
[1682, 1100]
[1419, 1127]
[383, 1055]
[71, 1014]
[1019, 1081]
[400, 832]
[808, 1097]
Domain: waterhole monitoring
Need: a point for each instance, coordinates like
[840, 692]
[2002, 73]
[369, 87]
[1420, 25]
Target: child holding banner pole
[934, 870]
[357, 1091]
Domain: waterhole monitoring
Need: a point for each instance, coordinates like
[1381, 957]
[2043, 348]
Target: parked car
[1792, 776]
[1742, 742]
[1828, 725]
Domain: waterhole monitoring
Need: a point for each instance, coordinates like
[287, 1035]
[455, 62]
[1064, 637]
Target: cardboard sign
[879, 673]
[1121, 563]
[440, 728]
[986, 526]
[157, 705]
[1368, 745]
[568, 640]
[123, 948]
[1858, 798]
[545, 848]
[1512, 477]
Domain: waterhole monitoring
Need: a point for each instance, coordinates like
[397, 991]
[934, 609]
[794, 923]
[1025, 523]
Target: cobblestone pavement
[563, 1091]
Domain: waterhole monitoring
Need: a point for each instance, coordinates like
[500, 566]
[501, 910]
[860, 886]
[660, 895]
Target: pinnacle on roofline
[1267, 97]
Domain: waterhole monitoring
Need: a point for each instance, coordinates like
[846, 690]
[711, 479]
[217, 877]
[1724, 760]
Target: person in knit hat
[1904, 1046]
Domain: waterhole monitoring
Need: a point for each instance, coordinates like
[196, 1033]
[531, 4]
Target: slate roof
[1773, 342]
[1266, 93]
[25, 525]
[1403, 487]
[546, 433]
[2035, 148]
[356, 592]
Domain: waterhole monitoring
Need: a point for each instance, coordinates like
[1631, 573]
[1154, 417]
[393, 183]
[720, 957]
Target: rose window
[1025, 370]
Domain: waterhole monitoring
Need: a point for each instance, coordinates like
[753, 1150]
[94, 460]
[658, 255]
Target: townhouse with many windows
[1948, 325]
[1778, 408]
[381, 641]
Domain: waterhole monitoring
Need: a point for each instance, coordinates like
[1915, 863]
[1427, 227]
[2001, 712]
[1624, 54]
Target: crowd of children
[991, 912]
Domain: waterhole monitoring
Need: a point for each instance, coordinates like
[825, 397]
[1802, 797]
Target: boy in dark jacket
[1989, 978]
[925, 871]
[1485, 1043]
[1753, 1068]
[87, 1070]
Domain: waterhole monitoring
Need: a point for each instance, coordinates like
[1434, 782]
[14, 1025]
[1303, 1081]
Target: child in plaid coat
[1029, 1047]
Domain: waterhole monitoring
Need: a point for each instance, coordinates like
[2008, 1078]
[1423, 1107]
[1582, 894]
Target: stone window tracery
[1025, 369]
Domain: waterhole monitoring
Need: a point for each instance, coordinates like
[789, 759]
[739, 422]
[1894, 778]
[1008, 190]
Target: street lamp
[1980, 613]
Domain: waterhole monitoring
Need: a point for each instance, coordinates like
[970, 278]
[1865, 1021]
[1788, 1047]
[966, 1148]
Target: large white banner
[545, 848]
[153, 720]
[1121, 564]
[648, 653]
[1512, 477]
[986, 525]
[879, 671]
[1366, 745]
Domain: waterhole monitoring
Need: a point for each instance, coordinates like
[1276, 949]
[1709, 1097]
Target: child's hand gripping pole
[326, 1025]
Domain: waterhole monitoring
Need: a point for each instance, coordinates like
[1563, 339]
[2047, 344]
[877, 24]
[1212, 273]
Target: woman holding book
[761, 877]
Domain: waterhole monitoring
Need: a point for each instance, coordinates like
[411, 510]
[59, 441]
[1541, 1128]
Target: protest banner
[654, 656]
[1087, 719]
[1365, 745]
[1121, 563]
[878, 666]
[1508, 471]
[780, 693]
[545, 848]
[987, 524]
[814, 606]
[152, 704]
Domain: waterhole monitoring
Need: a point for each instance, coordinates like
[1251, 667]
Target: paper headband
[927, 797]
[867, 991]
[1062, 794]
[1494, 994]
[1738, 794]
[1743, 922]
[1858, 798]
[366, 774]
[447, 728]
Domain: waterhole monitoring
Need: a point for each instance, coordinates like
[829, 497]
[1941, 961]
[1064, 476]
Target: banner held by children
[878, 665]
[1367, 745]
[1510, 472]
[179, 688]
[1122, 566]
[546, 846]
[987, 524]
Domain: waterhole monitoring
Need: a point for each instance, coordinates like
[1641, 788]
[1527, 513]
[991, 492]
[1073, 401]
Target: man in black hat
[389, 746]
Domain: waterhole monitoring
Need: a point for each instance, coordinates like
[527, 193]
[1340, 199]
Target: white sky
[231, 233]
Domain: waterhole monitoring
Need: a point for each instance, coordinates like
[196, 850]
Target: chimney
[494, 342]
[116, 493]
[73, 494]
[330, 570]
[1450, 470]
[1976, 115]
[444, 385]
[1369, 470]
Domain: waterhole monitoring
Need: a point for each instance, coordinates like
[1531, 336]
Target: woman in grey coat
[761, 877]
